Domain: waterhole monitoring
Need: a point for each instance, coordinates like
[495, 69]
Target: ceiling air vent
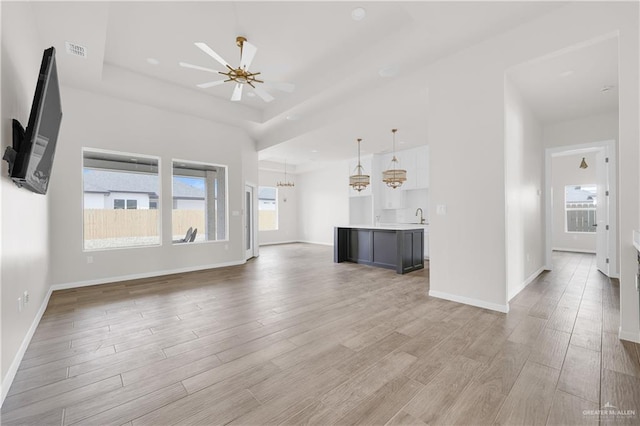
[75, 49]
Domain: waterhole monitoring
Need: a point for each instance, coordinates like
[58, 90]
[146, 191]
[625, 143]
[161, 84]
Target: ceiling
[353, 79]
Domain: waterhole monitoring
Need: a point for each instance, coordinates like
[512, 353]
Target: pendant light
[394, 176]
[358, 180]
[583, 164]
[286, 183]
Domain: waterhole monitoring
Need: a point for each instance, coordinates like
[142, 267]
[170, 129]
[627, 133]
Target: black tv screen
[35, 147]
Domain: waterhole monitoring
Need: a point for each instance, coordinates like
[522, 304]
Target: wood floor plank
[550, 348]
[580, 374]
[620, 398]
[434, 400]
[619, 355]
[568, 409]
[217, 396]
[531, 397]
[291, 337]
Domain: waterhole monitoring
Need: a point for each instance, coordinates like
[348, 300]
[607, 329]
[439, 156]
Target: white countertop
[636, 240]
[388, 227]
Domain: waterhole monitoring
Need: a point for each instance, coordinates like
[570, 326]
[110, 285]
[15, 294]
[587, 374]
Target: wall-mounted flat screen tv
[31, 157]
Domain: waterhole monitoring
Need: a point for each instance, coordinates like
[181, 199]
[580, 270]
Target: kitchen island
[399, 247]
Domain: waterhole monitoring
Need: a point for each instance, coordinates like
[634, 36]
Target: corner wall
[25, 255]
[98, 121]
[323, 202]
[523, 188]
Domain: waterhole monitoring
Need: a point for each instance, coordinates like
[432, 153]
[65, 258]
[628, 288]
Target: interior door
[602, 213]
[248, 222]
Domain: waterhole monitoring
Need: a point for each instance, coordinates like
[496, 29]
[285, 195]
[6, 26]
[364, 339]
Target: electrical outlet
[19, 304]
[25, 297]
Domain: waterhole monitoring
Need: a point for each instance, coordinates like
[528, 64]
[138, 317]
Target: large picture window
[267, 208]
[580, 208]
[199, 202]
[120, 199]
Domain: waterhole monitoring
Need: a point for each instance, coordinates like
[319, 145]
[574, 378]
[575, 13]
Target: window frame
[226, 204]
[277, 204]
[567, 210]
[160, 196]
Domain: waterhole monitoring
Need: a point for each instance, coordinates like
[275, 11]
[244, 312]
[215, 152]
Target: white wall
[190, 204]
[94, 200]
[323, 202]
[25, 215]
[287, 210]
[124, 126]
[565, 171]
[466, 140]
[523, 189]
[595, 128]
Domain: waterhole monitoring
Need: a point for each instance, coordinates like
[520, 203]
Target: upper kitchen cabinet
[366, 162]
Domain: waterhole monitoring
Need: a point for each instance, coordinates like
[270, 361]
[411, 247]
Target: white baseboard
[278, 243]
[574, 250]
[107, 280]
[316, 242]
[632, 336]
[525, 283]
[13, 368]
[469, 301]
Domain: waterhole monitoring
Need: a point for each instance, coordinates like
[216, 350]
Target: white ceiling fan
[241, 75]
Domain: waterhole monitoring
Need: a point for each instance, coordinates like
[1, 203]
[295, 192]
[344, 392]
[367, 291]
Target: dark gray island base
[400, 248]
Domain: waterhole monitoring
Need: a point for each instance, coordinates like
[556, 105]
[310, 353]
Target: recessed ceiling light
[606, 88]
[293, 117]
[388, 71]
[314, 150]
[566, 73]
[358, 14]
[153, 61]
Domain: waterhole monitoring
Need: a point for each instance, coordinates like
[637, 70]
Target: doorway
[594, 219]
[250, 231]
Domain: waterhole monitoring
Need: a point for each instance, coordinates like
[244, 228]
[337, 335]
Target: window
[118, 189]
[267, 208]
[128, 204]
[199, 202]
[580, 208]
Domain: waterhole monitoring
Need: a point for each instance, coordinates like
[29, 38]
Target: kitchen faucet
[421, 217]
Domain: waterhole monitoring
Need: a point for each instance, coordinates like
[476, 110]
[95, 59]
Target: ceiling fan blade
[284, 87]
[248, 53]
[237, 92]
[266, 96]
[210, 84]
[209, 51]
[196, 67]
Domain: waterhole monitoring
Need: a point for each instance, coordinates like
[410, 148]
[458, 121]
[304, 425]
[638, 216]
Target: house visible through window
[199, 202]
[267, 208]
[121, 194]
[580, 208]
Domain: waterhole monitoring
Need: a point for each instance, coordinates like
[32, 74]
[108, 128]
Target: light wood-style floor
[292, 338]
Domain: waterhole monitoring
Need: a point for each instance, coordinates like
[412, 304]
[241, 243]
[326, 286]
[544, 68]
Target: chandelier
[358, 180]
[394, 176]
[286, 182]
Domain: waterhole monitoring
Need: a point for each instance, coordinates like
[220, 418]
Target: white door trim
[609, 146]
